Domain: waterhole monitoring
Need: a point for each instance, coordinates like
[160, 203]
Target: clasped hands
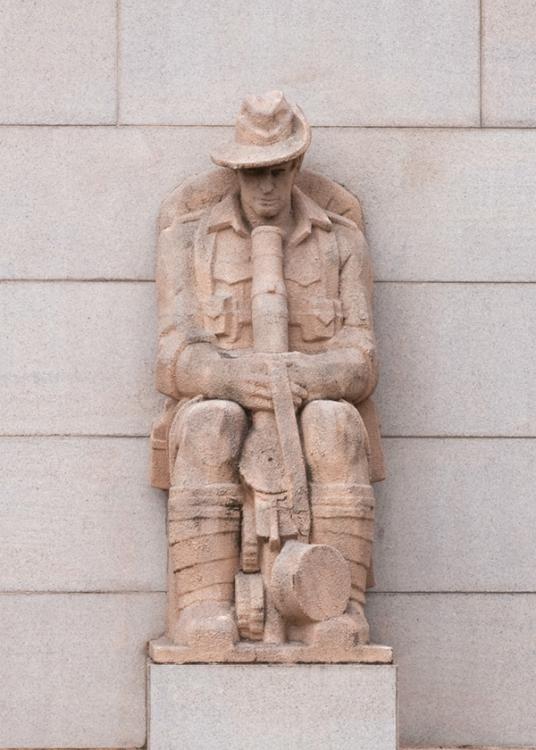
[246, 378]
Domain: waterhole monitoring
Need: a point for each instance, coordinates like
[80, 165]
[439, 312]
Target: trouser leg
[342, 500]
[204, 523]
[343, 517]
[204, 528]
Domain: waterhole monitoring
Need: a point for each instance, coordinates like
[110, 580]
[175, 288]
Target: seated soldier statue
[269, 442]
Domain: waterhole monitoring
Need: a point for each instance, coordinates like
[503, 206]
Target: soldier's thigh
[334, 441]
[210, 432]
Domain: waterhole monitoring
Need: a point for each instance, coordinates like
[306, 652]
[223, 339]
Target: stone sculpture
[269, 442]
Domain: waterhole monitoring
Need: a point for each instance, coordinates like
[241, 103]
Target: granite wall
[424, 108]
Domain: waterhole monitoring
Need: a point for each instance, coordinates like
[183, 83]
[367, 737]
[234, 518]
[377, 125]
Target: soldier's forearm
[196, 369]
[341, 373]
[175, 368]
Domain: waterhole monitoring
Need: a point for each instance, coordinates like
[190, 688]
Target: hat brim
[244, 156]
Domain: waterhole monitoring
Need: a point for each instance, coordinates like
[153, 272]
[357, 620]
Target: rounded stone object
[310, 582]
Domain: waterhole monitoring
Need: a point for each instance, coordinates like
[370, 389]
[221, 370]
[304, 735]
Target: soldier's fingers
[262, 381]
[260, 390]
[298, 390]
[260, 399]
[260, 404]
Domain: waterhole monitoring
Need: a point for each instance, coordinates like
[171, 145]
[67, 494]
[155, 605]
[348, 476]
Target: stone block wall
[424, 108]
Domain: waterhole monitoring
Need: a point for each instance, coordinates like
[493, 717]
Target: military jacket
[208, 271]
[204, 278]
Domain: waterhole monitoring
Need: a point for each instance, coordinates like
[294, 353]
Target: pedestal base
[164, 651]
[272, 707]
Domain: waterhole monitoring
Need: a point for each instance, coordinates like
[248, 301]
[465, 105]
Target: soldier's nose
[267, 185]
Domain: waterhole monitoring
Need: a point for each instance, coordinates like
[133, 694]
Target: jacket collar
[307, 213]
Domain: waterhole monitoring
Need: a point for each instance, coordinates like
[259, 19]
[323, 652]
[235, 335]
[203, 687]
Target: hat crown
[269, 130]
[264, 120]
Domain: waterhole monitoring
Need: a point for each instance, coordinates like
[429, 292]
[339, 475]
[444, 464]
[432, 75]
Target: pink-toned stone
[164, 651]
[310, 582]
[269, 442]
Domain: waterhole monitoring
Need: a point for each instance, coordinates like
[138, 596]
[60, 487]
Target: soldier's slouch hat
[268, 131]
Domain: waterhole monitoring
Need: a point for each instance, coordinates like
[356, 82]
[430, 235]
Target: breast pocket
[303, 272]
[221, 315]
[321, 319]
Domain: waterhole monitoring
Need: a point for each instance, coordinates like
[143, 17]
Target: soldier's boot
[204, 538]
[343, 517]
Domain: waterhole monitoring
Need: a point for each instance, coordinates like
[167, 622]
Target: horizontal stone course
[87, 652]
[457, 359]
[73, 668]
[439, 205]
[83, 202]
[456, 515]
[79, 360]
[77, 514]
[508, 63]
[58, 62]
[465, 666]
[347, 62]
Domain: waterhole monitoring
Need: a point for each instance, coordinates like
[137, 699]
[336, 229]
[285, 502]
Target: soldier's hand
[299, 393]
[341, 373]
[246, 379]
[249, 382]
[260, 367]
[264, 365]
[203, 370]
[303, 372]
[251, 390]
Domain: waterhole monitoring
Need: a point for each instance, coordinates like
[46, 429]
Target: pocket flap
[215, 305]
[302, 273]
[324, 310]
[231, 273]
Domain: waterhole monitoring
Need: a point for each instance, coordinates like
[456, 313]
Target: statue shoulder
[350, 239]
[182, 229]
[343, 221]
[192, 217]
[347, 230]
[177, 240]
[187, 222]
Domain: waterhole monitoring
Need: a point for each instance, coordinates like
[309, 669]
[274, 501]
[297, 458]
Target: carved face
[266, 191]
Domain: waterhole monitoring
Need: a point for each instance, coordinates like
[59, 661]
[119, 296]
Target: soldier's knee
[212, 432]
[333, 432]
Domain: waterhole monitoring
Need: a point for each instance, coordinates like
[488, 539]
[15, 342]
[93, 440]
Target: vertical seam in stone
[117, 61]
[147, 701]
[481, 57]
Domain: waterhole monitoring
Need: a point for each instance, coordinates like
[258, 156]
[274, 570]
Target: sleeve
[355, 294]
[179, 314]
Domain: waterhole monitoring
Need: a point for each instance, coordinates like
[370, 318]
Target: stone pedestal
[272, 707]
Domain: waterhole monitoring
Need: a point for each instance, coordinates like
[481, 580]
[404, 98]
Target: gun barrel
[270, 335]
[269, 306]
